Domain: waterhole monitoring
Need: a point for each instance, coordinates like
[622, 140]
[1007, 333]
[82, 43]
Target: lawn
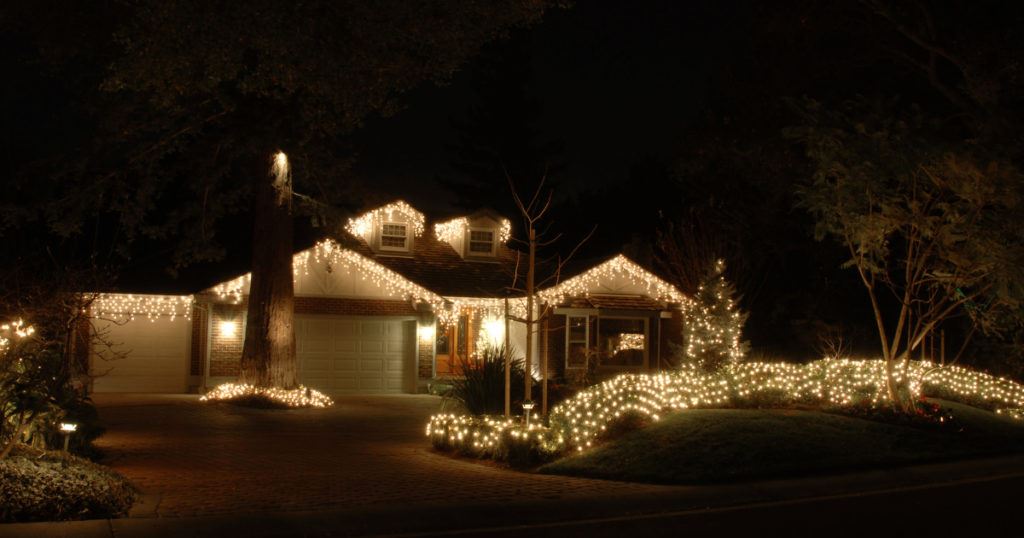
[720, 445]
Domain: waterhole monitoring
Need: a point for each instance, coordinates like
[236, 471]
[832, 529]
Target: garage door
[354, 355]
[145, 356]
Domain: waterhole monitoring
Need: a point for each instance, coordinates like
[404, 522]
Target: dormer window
[394, 236]
[481, 242]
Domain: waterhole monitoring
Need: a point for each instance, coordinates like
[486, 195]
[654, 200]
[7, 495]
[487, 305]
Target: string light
[14, 330]
[452, 230]
[629, 342]
[152, 307]
[365, 223]
[837, 383]
[298, 397]
[619, 267]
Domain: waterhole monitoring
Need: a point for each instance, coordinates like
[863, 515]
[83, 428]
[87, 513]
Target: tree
[211, 91]
[933, 230]
[714, 324]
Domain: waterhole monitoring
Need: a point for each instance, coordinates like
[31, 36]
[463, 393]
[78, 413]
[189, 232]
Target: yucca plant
[481, 390]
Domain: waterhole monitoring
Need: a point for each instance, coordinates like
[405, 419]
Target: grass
[722, 445]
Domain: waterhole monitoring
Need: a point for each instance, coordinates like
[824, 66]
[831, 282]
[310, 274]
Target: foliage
[631, 400]
[498, 438]
[713, 326]
[720, 445]
[37, 393]
[481, 389]
[938, 228]
[47, 486]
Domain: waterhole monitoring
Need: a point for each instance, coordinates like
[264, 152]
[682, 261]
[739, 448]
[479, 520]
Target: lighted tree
[714, 323]
[933, 229]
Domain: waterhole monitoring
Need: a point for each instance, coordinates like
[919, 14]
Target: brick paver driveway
[197, 459]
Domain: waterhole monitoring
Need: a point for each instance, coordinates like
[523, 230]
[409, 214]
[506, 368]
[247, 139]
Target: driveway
[192, 459]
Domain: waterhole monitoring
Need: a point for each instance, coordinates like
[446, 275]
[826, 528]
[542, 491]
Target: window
[462, 336]
[481, 242]
[393, 237]
[577, 335]
[442, 341]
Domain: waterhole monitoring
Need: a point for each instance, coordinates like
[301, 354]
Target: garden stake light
[67, 428]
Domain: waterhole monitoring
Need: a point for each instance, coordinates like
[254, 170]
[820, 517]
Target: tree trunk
[268, 354]
[530, 273]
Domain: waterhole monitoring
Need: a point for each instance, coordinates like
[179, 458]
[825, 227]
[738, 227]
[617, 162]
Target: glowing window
[394, 236]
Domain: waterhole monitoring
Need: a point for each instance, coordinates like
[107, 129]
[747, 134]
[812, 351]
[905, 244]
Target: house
[390, 304]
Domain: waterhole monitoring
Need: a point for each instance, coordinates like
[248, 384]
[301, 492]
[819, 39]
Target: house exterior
[390, 305]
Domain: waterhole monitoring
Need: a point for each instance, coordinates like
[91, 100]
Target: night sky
[649, 116]
[615, 83]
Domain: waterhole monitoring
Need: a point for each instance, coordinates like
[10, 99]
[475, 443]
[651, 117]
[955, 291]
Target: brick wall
[197, 353]
[226, 351]
[425, 357]
[353, 307]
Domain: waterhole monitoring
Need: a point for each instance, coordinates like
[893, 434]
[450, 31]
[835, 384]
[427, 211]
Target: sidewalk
[439, 516]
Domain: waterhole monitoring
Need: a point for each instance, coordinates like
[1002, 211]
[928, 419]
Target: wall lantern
[425, 333]
[228, 329]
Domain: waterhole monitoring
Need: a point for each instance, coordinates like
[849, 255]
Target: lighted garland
[152, 307]
[365, 223]
[491, 437]
[836, 383]
[298, 397]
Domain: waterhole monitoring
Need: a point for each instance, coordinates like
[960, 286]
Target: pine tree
[714, 323]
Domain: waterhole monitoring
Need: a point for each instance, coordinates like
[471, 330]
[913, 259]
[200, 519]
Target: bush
[481, 390]
[48, 486]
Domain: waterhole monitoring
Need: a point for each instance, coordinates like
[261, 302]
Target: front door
[455, 346]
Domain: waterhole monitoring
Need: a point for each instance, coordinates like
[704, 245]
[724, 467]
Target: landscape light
[67, 428]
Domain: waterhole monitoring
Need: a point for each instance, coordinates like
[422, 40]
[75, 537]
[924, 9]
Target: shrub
[56, 486]
[481, 390]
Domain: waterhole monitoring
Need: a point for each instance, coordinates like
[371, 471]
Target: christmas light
[14, 330]
[298, 397]
[452, 230]
[630, 341]
[619, 267]
[835, 383]
[152, 307]
[362, 225]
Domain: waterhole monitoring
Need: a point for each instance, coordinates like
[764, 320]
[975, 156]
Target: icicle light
[396, 211]
[152, 307]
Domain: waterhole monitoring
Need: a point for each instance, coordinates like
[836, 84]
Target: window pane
[578, 329]
[394, 229]
[481, 236]
[460, 344]
[476, 246]
[442, 341]
[389, 241]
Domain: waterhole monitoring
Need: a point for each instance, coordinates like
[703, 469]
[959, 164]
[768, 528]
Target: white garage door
[353, 355]
[145, 356]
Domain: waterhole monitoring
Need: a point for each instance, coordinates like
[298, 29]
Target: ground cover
[51, 485]
[697, 446]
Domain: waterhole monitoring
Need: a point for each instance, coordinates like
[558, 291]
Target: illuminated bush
[267, 396]
[827, 383]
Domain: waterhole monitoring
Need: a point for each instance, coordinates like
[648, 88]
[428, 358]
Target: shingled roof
[435, 265]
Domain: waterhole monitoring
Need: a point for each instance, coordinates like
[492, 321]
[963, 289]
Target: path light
[527, 406]
[67, 428]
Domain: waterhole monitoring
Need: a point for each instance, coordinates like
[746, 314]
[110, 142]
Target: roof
[435, 265]
[616, 302]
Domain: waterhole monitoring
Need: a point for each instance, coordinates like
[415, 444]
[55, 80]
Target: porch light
[67, 428]
[228, 329]
[494, 331]
[425, 333]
